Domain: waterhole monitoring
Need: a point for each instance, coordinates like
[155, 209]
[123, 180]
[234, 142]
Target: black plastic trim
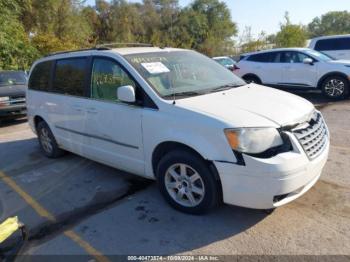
[97, 137]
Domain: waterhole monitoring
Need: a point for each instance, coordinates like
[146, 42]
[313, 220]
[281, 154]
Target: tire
[252, 79]
[48, 142]
[335, 87]
[196, 197]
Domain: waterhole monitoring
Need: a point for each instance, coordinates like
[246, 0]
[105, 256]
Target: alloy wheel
[184, 185]
[335, 87]
[46, 141]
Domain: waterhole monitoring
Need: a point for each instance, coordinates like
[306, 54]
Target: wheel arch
[167, 146]
[335, 73]
[252, 75]
[37, 119]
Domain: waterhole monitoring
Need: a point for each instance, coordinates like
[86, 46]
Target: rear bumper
[270, 183]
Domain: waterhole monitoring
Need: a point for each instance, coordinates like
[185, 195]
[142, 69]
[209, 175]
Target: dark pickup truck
[13, 85]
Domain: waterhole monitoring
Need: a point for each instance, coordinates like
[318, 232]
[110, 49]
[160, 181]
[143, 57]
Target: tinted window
[40, 76]
[264, 57]
[333, 44]
[107, 77]
[70, 76]
[293, 57]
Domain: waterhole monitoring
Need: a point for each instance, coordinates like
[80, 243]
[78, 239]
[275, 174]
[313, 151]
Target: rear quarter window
[262, 58]
[40, 76]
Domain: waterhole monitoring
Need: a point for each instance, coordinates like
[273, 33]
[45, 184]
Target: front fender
[207, 140]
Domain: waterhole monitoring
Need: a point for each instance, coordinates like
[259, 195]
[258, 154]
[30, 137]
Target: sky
[266, 15]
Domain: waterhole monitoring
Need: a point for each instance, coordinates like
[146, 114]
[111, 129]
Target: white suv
[182, 119]
[337, 46]
[296, 68]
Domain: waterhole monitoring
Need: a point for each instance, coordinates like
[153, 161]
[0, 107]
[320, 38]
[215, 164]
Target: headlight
[4, 99]
[253, 140]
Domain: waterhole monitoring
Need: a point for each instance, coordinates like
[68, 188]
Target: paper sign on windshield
[155, 68]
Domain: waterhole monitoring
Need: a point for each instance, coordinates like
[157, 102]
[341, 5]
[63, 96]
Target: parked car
[300, 68]
[336, 46]
[226, 61]
[12, 93]
[182, 119]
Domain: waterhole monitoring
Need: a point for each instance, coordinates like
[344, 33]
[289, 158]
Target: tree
[206, 26]
[16, 51]
[331, 23]
[291, 35]
[61, 18]
[32, 28]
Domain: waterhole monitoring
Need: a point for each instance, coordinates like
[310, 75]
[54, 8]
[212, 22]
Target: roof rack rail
[107, 46]
[77, 50]
[124, 44]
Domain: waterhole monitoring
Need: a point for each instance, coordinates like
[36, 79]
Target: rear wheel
[252, 79]
[335, 87]
[187, 183]
[47, 141]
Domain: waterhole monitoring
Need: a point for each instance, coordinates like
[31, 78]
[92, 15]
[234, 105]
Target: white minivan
[336, 46]
[180, 118]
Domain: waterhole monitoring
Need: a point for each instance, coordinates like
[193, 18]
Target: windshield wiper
[224, 87]
[182, 94]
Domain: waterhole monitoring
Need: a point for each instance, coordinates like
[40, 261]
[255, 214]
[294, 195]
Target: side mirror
[126, 94]
[308, 61]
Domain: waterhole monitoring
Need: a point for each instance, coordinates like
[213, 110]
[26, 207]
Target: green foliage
[16, 51]
[291, 35]
[331, 23]
[32, 28]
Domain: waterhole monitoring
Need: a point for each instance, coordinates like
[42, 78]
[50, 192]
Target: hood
[13, 90]
[340, 62]
[238, 104]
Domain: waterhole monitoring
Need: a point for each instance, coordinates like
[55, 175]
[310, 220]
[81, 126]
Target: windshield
[320, 56]
[12, 78]
[183, 73]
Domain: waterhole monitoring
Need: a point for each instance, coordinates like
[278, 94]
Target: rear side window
[333, 44]
[40, 76]
[70, 75]
[263, 58]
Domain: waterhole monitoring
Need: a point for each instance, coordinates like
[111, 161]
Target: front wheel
[335, 87]
[187, 183]
[251, 79]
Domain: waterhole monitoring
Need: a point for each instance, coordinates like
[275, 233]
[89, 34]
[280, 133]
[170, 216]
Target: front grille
[313, 138]
[16, 100]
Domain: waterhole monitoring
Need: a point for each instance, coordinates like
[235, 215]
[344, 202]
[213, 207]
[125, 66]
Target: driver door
[114, 127]
[295, 73]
